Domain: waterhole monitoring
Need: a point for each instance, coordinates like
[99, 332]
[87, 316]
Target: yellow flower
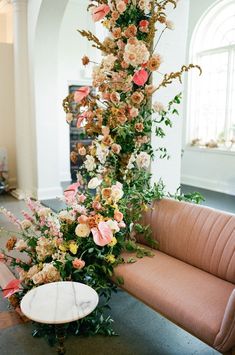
[63, 247]
[106, 23]
[110, 258]
[113, 242]
[73, 248]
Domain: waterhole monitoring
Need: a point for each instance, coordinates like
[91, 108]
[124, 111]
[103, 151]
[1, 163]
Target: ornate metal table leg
[60, 336]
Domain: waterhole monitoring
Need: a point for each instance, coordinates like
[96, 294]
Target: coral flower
[12, 287]
[71, 191]
[102, 235]
[100, 12]
[140, 77]
[81, 93]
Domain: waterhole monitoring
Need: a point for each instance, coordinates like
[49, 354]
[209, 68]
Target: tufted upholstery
[197, 235]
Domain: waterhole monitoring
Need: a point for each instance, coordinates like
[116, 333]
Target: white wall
[7, 123]
[71, 48]
[173, 49]
[205, 168]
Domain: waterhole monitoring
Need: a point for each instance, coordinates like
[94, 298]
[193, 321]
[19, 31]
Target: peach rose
[82, 151]
[78, 263]
[121, 7]
[116, 148]
[137, 97]
[154, 62]
[82, 230]
[117, 31]
[118, 216]
[134, 112]
[82, 219]
[139, 127]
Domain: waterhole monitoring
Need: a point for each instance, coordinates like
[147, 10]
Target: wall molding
[208, 184]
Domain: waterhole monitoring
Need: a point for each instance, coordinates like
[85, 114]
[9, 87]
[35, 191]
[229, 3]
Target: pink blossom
[140, 77]
[78, 263]
[12, 287]
[102, 235]
[100, 12]
[81, 93]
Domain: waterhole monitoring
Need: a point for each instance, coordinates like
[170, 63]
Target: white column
[25, 152]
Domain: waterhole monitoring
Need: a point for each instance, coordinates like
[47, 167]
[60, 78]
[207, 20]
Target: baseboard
[212, 185]
[49, 193]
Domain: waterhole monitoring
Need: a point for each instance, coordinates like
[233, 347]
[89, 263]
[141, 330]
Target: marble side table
[59, 303]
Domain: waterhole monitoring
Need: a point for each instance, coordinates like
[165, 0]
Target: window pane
[208, 108]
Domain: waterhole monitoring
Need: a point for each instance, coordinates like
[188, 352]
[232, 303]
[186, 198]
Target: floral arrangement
[84, 242]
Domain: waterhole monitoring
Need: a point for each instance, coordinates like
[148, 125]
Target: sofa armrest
[225, 339]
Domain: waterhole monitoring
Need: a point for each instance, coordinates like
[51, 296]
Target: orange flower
[85, 60]
[106, 193]
[139, 127]
[11, 243]
[154, 62]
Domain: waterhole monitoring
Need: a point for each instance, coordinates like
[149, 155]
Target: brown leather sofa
[191, 278]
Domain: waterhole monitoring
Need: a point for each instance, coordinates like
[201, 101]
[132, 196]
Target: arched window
[211, 109]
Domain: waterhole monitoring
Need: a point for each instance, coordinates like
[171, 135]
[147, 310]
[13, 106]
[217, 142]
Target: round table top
[59, 302]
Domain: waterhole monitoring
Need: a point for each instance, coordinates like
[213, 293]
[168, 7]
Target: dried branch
[168, 78]
[93, 38]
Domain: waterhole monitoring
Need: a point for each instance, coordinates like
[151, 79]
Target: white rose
[25, 224]
[44, 212]
[159, 107]
[143, 160]
[113, 225]
[66, 216]
[38, 278]
[116, 193]
[82, 230]
[94, 183]
[89, 163]
[21, 245]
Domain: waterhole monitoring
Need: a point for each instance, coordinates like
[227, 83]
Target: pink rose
[78, 263]
[118, 216]
[81, 93]
[102, 235]
[140, 77]
[100, 12]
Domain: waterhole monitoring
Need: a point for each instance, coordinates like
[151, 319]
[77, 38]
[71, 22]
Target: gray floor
[141, 330]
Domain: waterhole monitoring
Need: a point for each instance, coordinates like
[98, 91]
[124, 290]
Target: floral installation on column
[84, 242]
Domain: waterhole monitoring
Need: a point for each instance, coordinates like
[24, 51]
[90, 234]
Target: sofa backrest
[198, 235]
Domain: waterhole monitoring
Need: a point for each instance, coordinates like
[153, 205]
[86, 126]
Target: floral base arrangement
[84, 242]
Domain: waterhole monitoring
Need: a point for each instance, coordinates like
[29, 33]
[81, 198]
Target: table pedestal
[60, 337]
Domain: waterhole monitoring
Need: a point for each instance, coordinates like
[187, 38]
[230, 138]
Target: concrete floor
[141, 330]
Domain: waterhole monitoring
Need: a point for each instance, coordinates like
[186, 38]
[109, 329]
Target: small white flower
[170, 25]
[113, 225]
[159, 107]
[143, 160]
[21, 245]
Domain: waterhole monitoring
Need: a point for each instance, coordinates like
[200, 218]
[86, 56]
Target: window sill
[222, 151]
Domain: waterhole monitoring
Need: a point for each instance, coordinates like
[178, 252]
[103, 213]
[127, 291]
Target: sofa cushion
[190, 297]
[198, 235]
